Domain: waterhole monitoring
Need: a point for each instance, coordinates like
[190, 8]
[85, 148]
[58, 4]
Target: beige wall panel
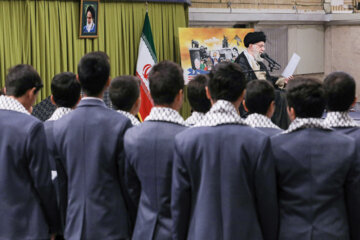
[343, 51]
[308, 42]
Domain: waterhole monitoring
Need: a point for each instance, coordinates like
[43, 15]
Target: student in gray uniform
[149, 150]
[340, 90]
[125, 96]
[27, 198]
[224, 184]
[89, 144]
[314, 167]
[65, 94]
[198, 100]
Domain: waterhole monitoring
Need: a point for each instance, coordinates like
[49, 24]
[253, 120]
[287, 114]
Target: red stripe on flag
[146, 100]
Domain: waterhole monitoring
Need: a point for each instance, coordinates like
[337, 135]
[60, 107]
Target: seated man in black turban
[252, 64]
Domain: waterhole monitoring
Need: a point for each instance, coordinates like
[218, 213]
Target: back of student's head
[227, 82]
[166, 80]
[196, 94]
[340, 90]
[259, 95]
[306, 96]
[94, 72]
[20, 79]
[124, 91]
[65, 89]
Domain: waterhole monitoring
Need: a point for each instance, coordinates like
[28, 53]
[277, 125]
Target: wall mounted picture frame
[89, 10]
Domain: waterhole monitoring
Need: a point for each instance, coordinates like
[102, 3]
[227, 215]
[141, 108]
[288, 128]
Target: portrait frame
[89, 30]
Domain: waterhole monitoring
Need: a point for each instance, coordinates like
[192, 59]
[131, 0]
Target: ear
[77, 77]
[291, 113]
[208, 95]
[52, 100]
[353, 104]
[136, 107]
[178, 101]
[181, 97]
[31, 93]
[4, 89]
[245, 107]
[271, 109]
[108, 82]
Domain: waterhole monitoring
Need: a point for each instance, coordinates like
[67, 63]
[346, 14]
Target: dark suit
[224, 185]
[243, 62]
[280, 116]
[89, 141]
[353, 185]
[149, 151]
[27, 199]
[313, 167]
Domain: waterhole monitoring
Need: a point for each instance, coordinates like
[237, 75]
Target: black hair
[254, 37]
[20, 79]
[91, 10]
[306, 96]
[94, 72]
[65, 89]
[259, 95]
[166, 80]
[227, 82]
[340, 90]
[196, 93]
[124, 91]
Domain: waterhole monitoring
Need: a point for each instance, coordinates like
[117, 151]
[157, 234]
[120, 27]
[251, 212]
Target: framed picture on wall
[89, 10]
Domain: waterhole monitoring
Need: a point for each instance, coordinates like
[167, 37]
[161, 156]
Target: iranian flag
[146, 59]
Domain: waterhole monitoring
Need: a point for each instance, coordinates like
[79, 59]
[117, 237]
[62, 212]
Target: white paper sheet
[290, 68]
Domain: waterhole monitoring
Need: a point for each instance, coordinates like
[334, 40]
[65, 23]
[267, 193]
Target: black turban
[254, 37]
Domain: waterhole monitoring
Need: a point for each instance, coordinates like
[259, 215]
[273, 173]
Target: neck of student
[167, 106]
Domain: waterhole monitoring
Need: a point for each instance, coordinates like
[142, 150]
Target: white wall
[308, 42]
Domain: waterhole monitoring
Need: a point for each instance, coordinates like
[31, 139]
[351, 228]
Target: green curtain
[45, 34]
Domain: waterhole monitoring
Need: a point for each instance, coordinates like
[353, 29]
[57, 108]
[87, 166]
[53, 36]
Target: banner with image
[202, 48]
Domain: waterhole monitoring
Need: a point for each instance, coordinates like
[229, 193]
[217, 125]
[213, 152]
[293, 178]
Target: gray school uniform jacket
[89, 143]
[149, 151]
[314, 170]
[28, 207]
[224, 183]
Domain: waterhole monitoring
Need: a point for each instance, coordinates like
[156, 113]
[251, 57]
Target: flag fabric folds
[146, 59]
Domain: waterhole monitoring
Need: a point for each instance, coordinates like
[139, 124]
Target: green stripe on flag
[148, 38]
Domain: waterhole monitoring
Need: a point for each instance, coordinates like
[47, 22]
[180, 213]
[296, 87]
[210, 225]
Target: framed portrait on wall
[89, 10]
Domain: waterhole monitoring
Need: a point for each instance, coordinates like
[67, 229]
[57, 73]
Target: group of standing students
[88, 173]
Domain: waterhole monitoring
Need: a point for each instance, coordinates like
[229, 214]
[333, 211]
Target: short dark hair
[196, 93]
[91, 10]
[166, 80]
[20, 79]
[306, 96]
[65, 89]
[227, 82]
[124, 91]
[259, 95]
[340, 90]
[94, 72]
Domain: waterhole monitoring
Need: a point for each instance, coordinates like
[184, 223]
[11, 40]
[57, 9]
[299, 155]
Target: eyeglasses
[260, 45]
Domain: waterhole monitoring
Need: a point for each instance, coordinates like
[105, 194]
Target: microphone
[269, 59]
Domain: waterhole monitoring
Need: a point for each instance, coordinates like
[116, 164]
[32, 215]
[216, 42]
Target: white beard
[258, 58]
[89, 26]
